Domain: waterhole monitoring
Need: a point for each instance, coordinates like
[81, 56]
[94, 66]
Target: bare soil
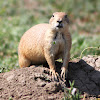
[35, 83]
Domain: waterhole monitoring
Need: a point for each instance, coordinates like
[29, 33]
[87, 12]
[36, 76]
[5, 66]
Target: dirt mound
[33, 83]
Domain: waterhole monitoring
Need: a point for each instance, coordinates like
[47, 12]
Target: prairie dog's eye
[66, 16]
[52, 15]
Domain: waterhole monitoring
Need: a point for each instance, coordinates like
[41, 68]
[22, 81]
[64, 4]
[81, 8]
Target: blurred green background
[17, 16]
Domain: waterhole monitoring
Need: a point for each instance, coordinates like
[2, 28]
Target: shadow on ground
[87, 79]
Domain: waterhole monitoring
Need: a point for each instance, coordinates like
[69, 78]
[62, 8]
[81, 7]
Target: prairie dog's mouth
[60, 25]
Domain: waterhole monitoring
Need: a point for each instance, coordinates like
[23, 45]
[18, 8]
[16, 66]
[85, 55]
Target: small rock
[91, 60]
[41, 84]
[90, 56]
[53, 87]
[92, 64]
[85, 58]
[97, 62]
[9, 77]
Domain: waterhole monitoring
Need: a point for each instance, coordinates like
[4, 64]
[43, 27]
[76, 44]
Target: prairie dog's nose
[59, 21]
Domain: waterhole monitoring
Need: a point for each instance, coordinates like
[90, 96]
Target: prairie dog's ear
[51, 19]
[67, 19]
[52, 15]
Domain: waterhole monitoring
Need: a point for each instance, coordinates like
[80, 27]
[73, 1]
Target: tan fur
[46, 42]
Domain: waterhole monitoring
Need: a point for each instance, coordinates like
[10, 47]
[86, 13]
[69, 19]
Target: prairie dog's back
[31, 44]
[36, 33]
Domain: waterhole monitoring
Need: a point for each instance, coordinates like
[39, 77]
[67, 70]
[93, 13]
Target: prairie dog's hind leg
[24, 62]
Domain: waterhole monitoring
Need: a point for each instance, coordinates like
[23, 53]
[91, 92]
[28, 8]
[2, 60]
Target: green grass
[15, 19]
[80, 42]
[69, 94]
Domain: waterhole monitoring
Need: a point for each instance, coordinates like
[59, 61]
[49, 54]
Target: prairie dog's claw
[63, 73]
[54, 74]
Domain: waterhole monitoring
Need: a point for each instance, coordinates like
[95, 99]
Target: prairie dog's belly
[58, 45]
[34, 51]
[36, 56]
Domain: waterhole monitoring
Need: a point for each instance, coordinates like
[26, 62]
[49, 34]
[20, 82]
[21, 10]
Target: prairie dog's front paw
[63, 72]
[54, 74]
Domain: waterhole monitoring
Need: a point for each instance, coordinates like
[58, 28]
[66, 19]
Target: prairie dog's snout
[59, 20]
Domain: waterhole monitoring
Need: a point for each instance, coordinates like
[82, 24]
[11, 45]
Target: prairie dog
[47, 42]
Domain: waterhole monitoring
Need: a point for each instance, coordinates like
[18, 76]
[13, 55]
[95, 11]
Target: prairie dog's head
[59, 20]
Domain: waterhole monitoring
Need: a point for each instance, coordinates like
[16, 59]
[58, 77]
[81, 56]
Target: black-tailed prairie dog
[47, 42]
